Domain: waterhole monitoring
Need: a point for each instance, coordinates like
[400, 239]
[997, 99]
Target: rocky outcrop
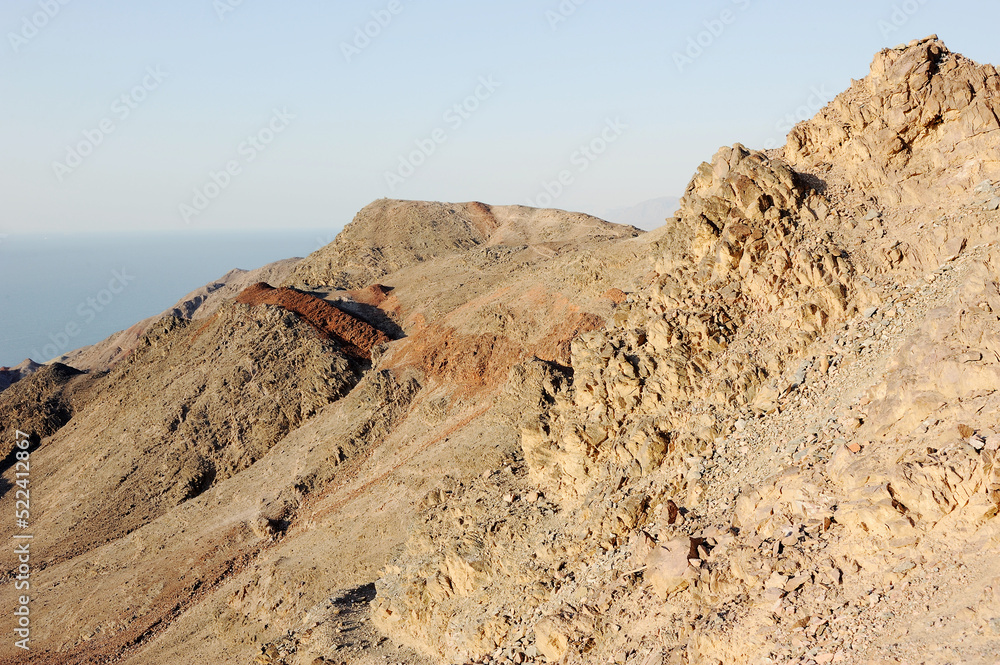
[771, 434]
[357, 338]
[922, 126]
[691, 342]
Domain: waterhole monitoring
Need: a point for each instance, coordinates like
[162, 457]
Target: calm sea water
[61, 292]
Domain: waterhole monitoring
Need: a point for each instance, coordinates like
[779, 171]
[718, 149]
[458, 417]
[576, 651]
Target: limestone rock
[667, 567]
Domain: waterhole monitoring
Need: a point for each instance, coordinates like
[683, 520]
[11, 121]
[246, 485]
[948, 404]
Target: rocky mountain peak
[390, 235]
[923, 123]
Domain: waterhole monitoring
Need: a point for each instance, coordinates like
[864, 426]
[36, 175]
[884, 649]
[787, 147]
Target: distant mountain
[199, 304]
[647, 215]
[11, 375]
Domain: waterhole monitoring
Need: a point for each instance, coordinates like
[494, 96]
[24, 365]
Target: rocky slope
[389, 236]
[11, 375]
[258, 445]
[765, 432]
[768, 452]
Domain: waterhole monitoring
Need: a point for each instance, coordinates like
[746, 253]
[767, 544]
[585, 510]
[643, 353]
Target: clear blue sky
[224, 73]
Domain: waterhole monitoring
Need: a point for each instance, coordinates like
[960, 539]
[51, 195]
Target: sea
[63, 292]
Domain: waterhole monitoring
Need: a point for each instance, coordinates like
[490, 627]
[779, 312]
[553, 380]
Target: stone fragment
[550, 641]
[672, 512]
[668, 569]
[797, 582]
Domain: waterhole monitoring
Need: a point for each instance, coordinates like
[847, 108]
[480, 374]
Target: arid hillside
[766, 432]
[185, 468]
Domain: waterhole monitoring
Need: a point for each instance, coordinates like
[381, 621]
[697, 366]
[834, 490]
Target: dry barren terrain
[766, 432]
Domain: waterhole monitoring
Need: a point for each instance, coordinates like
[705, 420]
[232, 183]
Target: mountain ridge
[765, 431]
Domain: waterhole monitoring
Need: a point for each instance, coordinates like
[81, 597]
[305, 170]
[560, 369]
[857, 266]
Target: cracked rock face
[734, 451]
[922, 125]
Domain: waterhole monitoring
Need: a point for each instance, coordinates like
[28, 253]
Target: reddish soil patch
[473, 363]
[469, 362]
[355, 336]
[374, 294]
[555, 347]
[616, 295]
[482, 217]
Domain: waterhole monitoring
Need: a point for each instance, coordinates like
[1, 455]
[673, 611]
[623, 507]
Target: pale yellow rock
[667, 567]
[550, 641]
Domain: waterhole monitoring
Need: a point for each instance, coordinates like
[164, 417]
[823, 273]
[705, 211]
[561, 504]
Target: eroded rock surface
[764, 452]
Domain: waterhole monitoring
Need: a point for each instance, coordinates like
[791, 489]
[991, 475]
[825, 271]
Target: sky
[244, 114]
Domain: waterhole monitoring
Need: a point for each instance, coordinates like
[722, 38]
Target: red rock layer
[355, 336]
[374, 294]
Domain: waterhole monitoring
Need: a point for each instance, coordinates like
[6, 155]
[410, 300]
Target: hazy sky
[227, 114]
